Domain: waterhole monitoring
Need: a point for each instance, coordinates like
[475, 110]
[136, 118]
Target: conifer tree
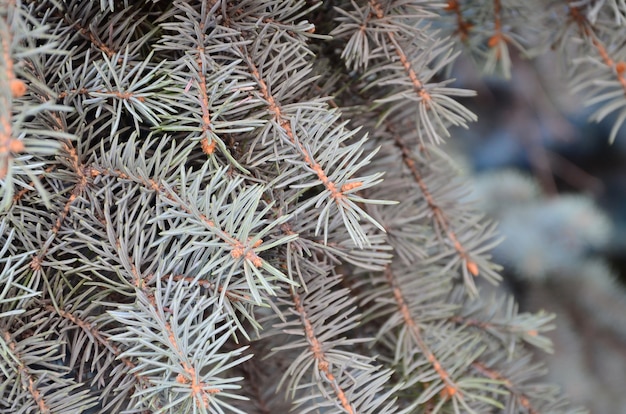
[242, 207]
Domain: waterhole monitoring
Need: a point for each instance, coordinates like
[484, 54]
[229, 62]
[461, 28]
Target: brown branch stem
[439, 216]
[450, 387]
[318, 352]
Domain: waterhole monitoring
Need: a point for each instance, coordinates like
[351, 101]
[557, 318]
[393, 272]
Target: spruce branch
[196, 218]
[438, 208]
[438, 214]
[501, 319]
[349, 381]
[173, 320]
[463, 25]
[24, 124]
[210, 75]
[405, 66]
[611, 67]
[338, 191]
[228, 233]
[517, 376]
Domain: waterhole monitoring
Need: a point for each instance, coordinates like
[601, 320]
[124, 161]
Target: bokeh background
[558, 189]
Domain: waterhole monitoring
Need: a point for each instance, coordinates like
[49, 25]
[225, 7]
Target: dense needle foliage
[215, 206]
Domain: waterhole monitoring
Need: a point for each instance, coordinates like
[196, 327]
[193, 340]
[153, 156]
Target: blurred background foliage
[557, 187]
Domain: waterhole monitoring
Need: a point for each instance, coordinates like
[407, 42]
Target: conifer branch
[599, 69]
[418, 86]
[318, 353]
[437, 213]
[521, 398]
[10, 88]
[88, 34]
[274, 107]
[238, 248]
[435, 107]
[450, 388]
[28, 381]
[314, 332]
[463, 26]
[500, 319]
[192, 378]
[79, 187]
[586, 29]
[31, 185]
[339, 193]
[497, 37]
[177, 176]
[94, 334]
[405, 62]
[207, 143]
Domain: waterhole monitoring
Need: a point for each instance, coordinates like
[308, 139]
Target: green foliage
[194, 217]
